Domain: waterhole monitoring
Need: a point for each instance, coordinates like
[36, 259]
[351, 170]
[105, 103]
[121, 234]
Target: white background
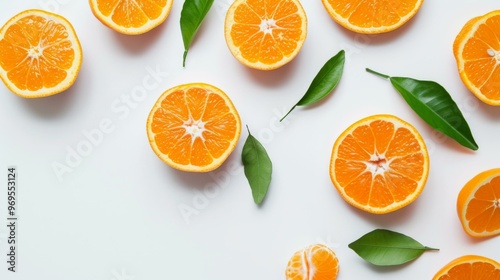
[117, 215]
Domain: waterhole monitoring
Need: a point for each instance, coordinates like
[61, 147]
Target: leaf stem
[184, 58]
[248, 129]
[377, 73]
[431, 249]
[288, 113]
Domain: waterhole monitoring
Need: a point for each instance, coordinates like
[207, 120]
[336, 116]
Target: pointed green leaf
[384, 247]
[258, 167]
[324, 82]
[192, 15]
[435, 106]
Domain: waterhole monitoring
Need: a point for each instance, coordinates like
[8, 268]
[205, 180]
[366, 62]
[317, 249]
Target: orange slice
[372, 17]
[316, 262]
[477, 52]
[470, 267]
[265, 34]
[379, 164]
[193, 127]
[478, 204]
[131, 17]
[40, 54]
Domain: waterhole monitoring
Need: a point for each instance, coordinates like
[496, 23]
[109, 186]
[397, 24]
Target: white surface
[117, 214]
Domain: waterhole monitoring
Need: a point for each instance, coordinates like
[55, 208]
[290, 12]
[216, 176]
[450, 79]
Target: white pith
[495, 54]
[267, 26]
[308, 268]
[378, 164]
[194, 128]
[35, 51]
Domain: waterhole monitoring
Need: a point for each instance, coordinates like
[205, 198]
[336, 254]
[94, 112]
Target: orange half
[379, 164]
[193, 127]
[477, 52]
[131, 17]
[265, 34]
[372, 17]
[40, 54]
[469, 267]
[478, 204]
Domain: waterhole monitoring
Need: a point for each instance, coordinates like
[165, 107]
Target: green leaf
[435, 106]
[258, 167]
[384, 247]
[324, 82]
[192, 15]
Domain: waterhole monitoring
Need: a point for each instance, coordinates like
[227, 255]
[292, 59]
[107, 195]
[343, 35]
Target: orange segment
[131, 16]
[372, 17]
[40, 54]
[316, 262]
[477, 52]
[193, 127]
[265, 34]
[379, 164]
[469, 267]
[478, 204]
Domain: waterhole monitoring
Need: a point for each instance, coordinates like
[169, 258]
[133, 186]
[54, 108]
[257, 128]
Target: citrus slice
[265, 34]
[316, 262]
[193, 127]
[478, 204]
[477, 52]
[131, 17]
[372, 17]
[40, 54]
[469, 267]
[379, 164]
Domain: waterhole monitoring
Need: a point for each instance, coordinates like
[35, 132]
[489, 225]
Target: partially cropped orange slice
[379, 164]
[265, 34]
[477, 52]
[316, 262]
[372, 17]
[131, 16]
[478, 204]
[40, 54]
[193, 127]
[470, 267]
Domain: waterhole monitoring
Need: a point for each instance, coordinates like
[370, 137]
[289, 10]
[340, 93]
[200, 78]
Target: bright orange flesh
[477, 52]
[316, 262]
[265, 34]
[469, 267]
[372, 17]
[131, 16]
[379, 164]
[40, 54]
[193, 127]
[478, 204]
